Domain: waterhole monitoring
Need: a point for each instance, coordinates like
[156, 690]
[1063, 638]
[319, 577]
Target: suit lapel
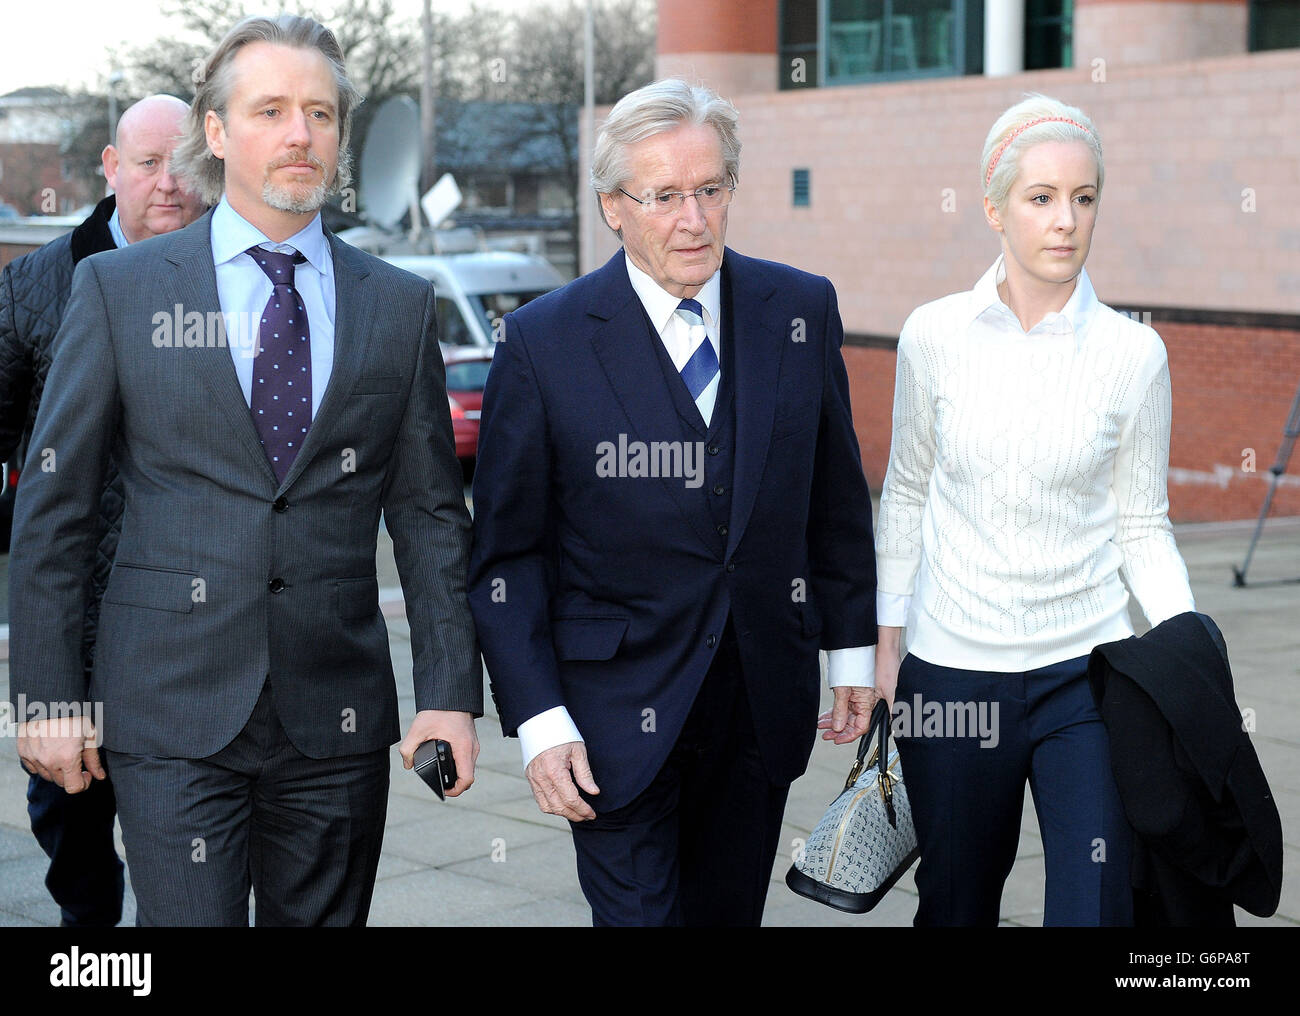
[353, 312]
[758, 347]
[618, 336]
[194, 288]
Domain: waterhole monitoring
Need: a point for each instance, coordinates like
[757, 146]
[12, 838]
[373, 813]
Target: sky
[70, 44]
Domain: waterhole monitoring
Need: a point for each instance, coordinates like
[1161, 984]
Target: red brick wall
[1233, 389]
[871, 388]
[717, 26]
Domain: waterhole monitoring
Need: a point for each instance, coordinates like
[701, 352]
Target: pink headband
[1020, 130]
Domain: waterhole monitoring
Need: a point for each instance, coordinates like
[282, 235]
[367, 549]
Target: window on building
[838, 42]
[872, 39]
[802, 188]
[527, 187]
[798, 33]
[556, 197]
[1049, 34]
[488, 192]
[1274, 24]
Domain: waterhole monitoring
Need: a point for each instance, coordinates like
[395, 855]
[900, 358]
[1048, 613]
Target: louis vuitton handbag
[865, 841]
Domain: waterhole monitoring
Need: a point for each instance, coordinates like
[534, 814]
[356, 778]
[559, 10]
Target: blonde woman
[1026, 474]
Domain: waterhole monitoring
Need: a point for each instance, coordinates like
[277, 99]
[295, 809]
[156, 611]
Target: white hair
[656, 109]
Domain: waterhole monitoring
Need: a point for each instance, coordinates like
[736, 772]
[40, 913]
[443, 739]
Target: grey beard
[284, 199]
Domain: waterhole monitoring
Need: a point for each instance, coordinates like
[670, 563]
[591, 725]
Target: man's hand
[457, 729]
[847, 719]
[553, 786]
[57, 749]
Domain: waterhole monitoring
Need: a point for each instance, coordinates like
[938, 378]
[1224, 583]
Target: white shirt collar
[115, 228]
[660, 304]
[232, 235]
[1074, 316]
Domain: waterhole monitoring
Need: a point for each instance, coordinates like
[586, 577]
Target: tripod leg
[1290, 431]
[1239, 575]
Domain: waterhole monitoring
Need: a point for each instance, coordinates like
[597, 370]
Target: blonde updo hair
[1005, 161]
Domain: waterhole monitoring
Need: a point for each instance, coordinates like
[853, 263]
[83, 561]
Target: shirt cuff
[546, 730]
[851, 668]
[891, 609]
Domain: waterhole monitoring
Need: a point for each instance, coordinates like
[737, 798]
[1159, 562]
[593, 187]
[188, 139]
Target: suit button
[711, 641]
[280, 504]
[731, 566]
[722, 529]
[275, 585]
[712, 449]
[719, 489]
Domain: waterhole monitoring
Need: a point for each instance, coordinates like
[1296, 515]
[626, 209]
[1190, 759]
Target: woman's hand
[889, 645]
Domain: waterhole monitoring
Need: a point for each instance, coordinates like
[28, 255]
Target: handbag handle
[878, 725]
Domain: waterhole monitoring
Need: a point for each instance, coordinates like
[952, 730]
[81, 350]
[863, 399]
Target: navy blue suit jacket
[608, 594]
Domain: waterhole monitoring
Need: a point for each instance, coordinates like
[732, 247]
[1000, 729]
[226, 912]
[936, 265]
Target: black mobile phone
[436, 766]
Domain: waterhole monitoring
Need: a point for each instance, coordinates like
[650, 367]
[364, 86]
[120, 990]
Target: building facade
[863, 121]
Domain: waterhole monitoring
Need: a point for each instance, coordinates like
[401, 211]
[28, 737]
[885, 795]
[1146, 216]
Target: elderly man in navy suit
[670, 521]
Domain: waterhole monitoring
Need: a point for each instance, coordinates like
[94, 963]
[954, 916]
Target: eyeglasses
[709, 197]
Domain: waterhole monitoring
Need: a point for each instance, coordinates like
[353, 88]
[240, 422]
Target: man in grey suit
[267, 391]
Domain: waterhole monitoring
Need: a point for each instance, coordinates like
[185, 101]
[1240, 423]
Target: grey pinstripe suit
[225, 581]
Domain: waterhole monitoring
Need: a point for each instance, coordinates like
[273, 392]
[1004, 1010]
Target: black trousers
[967, 794]
[76, 832]
[696, 847]
[303, 834]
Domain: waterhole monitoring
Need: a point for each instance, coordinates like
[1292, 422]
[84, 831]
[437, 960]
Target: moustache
[292, 158]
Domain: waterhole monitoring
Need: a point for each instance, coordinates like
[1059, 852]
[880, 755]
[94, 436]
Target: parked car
[475, 291]
[467, 371]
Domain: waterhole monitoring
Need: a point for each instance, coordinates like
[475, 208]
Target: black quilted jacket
[34, 291]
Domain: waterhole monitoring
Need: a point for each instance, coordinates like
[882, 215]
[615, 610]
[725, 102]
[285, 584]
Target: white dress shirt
[244, 289]
[115, 227]
[1026, 470]
[844, 667]
[661, 307]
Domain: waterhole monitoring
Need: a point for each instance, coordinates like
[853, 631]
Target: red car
[467, 371]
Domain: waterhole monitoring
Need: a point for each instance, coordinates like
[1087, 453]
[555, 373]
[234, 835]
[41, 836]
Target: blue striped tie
[701, 370]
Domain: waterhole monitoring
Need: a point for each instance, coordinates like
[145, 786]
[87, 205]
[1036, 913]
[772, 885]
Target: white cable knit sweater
[1026, 469]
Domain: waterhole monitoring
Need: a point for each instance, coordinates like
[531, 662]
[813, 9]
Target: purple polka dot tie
[281, 402]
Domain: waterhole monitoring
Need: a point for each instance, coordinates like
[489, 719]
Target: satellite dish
[390, 162]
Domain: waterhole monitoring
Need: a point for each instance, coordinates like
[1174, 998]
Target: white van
[475, 291]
